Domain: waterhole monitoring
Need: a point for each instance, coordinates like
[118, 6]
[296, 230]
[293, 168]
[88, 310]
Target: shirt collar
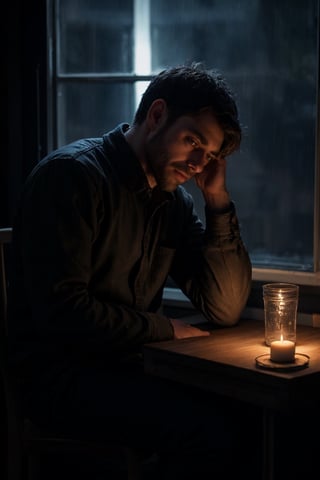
[128, 166]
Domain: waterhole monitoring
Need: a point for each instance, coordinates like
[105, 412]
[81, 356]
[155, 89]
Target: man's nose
[197, 161]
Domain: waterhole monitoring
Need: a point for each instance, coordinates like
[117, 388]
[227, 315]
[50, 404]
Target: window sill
[309, 295]
[289, 276]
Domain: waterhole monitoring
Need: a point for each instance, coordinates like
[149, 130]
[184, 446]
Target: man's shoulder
[82, 158]
[77, 149]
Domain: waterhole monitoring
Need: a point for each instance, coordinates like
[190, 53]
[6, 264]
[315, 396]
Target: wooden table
[225, 363]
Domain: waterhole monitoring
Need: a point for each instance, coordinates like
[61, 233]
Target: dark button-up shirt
[93, 248]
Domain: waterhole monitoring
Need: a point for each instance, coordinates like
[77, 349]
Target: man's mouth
[182, 175]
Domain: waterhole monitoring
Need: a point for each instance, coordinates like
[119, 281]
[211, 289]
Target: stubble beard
[158, 160]
[157, 165]
[160, 163]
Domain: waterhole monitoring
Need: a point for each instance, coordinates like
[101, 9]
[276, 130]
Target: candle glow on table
[282, 351]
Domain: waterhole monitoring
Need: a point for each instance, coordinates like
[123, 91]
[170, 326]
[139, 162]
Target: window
[104, 53]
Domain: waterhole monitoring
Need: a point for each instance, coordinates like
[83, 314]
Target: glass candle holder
[280, 311]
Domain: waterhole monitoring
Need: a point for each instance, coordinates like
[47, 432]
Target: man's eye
[193, 142]
[211, 158]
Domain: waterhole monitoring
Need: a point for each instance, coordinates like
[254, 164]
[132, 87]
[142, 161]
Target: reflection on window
[268, 53]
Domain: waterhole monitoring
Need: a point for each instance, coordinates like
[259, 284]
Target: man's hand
[212, 183]
[184, 330]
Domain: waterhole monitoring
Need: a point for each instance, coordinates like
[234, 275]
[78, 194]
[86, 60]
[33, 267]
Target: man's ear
[157, 114]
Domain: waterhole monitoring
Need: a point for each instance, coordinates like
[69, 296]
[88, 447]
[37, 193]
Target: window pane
[268, 53]
[95, 36]
[91, 109]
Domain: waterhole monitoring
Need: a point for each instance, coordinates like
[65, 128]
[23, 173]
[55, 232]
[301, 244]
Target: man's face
[178, 152]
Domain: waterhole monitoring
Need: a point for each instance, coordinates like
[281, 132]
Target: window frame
[309, 282]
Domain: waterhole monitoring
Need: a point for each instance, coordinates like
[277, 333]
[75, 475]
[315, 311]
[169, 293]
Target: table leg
[268, 444]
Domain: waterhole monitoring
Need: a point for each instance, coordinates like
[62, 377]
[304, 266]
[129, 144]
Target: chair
[27, 442]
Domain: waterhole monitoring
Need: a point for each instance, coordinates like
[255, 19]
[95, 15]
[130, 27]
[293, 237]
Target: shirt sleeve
[213, 268]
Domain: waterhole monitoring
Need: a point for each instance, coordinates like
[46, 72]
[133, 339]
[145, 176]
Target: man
[102, 224]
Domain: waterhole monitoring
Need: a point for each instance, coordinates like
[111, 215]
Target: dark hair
[187, 90]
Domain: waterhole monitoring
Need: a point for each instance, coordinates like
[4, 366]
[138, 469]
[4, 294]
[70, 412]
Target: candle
[282, 351]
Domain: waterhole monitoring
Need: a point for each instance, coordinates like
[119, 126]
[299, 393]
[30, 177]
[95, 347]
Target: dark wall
[26, 132]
